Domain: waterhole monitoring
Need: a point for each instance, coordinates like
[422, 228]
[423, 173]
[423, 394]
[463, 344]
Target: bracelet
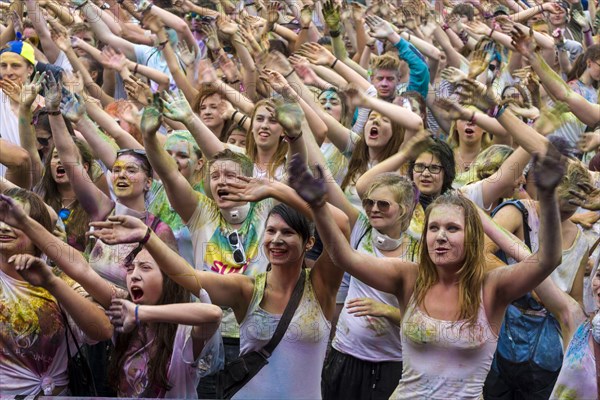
[233, 115]
[55, 112]
[274, 27]
[445, 27]
[242, 121]
[290, 139]
[137, 318]
[332, 66]
[81, 5]
[146, 237]
[234, 82]
[135, 68]
[408, 40]
[334, 34]
[497, 111]
[162, 45]
[492, 31]
[289, 73]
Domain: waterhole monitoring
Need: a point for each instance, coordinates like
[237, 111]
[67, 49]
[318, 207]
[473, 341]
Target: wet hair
[172, 293]
[472, 272]
[298, 222]
[37, 209]
[442, 151]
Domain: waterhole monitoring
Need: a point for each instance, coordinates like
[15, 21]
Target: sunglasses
[382, 205]
[140, 152]
[64, 214]
[432, 168]
[239, 255]
[492, 67]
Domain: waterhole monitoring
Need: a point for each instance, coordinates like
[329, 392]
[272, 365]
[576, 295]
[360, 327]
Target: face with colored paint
[237, 138]
[144, 280]
[446, 236]
[331, 103]
[13, 240]
[185, 158]
[14, 67]
[129, 178]
[266, 129]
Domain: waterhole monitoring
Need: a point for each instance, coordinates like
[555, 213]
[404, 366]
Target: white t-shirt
[9, 125]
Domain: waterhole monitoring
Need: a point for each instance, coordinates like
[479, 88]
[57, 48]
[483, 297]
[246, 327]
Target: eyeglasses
[492, 67]
[382, 205]
[432, 168]
[140, 152]
[239, 255]
[595, 62]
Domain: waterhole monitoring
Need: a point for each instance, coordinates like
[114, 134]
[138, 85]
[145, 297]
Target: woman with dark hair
[294, 368]
[36, 304]
[164, 343]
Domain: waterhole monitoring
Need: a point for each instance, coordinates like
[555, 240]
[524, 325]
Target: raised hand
[207, 72]
[379, 28]
[225, 109]
[273, 12]
[303, 69]
[227, 25]
[245, 188]
[586, 197]
[277, 62]
[418, 144]
[589, 141]
[306, 16]
[211, 40]
[11, 88]
[454, 109]
[481, 57]
[477, 94]
[137, 90]
[367, 307]
[549, 169]
[33, 269]
[316, 54]
[122, 315]
[523, 42]
[12, 212]
[73, 82]
[151, 118]
[355, 95]
[358, 11]
[119, 229]
[176, 107]
[31, 89]
[275, 80]
[453, 75]
[112, 59]
[331, 15]
[290, 116]
[52, 93]
[184, 53]
[73, 107]
[311, 189]
[550, 118]
[60, 35]
[477, 27]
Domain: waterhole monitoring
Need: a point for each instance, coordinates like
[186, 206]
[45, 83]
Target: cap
[23, 49]
[501, 10]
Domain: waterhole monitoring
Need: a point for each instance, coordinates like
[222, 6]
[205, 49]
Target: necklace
[465, 165]
[68, 205]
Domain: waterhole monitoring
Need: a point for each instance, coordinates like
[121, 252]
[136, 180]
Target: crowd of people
[390, 199]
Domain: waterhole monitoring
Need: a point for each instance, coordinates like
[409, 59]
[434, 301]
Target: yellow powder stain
[565, 393]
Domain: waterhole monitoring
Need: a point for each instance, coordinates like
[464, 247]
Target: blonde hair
[403, 190]
[386, 61]
[472, 272]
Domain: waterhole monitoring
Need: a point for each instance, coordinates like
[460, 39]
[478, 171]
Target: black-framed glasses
[432, 168]
[235, 241]
[382, 205]
[596, 62]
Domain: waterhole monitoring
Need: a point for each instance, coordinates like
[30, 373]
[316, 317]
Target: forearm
[522, 16]
[393, 314]
[39, 23]
[349, 74]
[192, 314]
[189, 91]
[453, 57]
[391, 164]
[505, 240]
[400, 115]
[419, 72]
[102, 150]
[330, 76]
[63, 13]
[155, 75]
[28, 142]
[550, 238]
[209, 144]
[87, 315]
[238, 100]
[524, 135]
[285, 33]
[426, 48]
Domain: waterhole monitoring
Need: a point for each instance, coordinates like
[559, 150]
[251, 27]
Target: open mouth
[277, 252]
[136, 293]
[222, 193]
[60, 171]
[121, 184]
[6, 238]
[374, 133]
[469, 131]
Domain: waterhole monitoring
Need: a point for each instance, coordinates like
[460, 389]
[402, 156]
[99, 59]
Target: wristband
[290, 139]
[135, 68]
[445, 27]
[242, 121]
[332, 66]
[289, 74]
[162, 45]
[56, 112]
[146, 237]
[305, 27]
[233, 115]
[81, 5]
[137, 319]
[497, 111]
[334, 34]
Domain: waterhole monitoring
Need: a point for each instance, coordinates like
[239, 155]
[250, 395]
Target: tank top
[577, 378]
[444, 359]
[294, 368]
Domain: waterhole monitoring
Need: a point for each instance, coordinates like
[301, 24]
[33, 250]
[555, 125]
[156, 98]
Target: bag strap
[521, 207]
[287, 316]
[597, 356]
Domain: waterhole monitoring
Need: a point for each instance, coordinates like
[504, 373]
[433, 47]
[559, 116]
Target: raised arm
[35, 15]
[509, 284]
[182, 196]
[29, 92]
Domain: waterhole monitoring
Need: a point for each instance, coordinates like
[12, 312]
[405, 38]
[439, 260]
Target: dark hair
[158, 379]
[278, 45]
[580, 64]
[464, 9]
[298, 222]
[204, 92]
[443, 152]
[37, 209]
[141, 156]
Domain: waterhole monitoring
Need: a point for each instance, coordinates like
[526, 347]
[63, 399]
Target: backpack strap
[524, 212]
